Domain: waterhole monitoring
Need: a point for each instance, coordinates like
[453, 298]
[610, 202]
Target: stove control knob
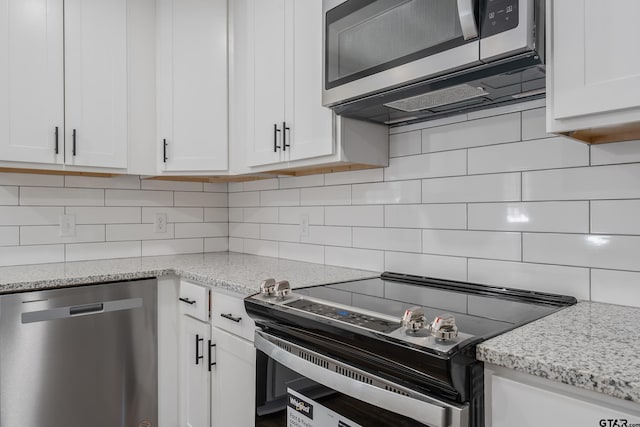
[282, 289]
[266, 287]
[413, 319]
[444, 327]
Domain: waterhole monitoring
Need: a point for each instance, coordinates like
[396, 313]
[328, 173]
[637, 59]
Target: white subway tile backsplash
[201, 229]
[448, 163]
[208, 200]
[247, 231]
[615, 216]
[158, 184]
[301, 252]
[547, 153]
[620, 152]
[600, 182]
[473, 133]
[24, 215]
[31, 180]
[280, 232]
[328, 235]
[216, 214]
[124, 232]
[481, 188]
[390, 239]
[364, 259]
[234, 187]
[261, 184]
[443, 267]
[584, 250]
[49, 196]
[472, 244]
[236, 244]
[387, 193]
[280, 197]
[302, 181]
[9, 195]
[534, 124]
[172, 247]
[268, 215]
[615, 287]
[9, 236]
[105, 215]
[354, 177]
[559, 217]
[291, 215]
[261, 247]
[363, 216]
[236, 214]
[50, 234]
[505, 109]
[557, 279]
[105, 250]
[216, 244]
[215, 187]
[448, 216]
[40, 254]
[324, 196]
[173, 214]
[239, 200]
[137, 198]
[129, 182]
[405, 144]
[429, 124]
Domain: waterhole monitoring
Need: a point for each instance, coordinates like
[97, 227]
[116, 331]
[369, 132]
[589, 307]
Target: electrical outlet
[67, 225]
[304, 225]
[160, 223]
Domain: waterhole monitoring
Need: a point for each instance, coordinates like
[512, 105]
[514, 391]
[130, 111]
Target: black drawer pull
[210, 362]
[198, 356]
[188, 301]
[231, 317]
[57, 148]
[74, 151]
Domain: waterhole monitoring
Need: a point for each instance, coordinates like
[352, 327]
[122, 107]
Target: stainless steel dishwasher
[83, 356]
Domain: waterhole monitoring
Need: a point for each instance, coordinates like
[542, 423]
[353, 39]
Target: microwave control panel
[499, 16]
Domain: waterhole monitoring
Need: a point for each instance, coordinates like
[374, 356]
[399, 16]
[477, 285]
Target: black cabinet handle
[276, 147]
[284, 136]
[187, 300]
[57, 146]
[74, 143]
[210, 362]
[231, 317]
[198, 356]
[164, 151]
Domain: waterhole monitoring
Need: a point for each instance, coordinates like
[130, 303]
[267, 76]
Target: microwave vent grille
[438, 98]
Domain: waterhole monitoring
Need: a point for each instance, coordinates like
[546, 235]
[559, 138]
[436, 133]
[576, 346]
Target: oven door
[375, 45]
[294, 383]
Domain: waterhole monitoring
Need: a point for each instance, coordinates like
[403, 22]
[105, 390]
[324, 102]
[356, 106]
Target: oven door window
[364, 37]
[288, 399]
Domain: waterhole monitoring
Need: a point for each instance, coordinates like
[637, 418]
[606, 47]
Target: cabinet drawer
[228, 313]
[194, 301]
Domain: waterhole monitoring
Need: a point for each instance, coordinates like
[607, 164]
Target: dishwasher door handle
[81, 310]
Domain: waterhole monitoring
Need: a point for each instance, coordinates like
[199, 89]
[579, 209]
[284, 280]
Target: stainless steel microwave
[399, 60]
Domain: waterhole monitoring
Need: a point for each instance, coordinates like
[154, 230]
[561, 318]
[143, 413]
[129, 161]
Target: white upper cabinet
[31, 81]
[96, 83]
[593, 74]
[192, 85]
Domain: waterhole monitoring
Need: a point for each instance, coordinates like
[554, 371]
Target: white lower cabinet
[233, 381]
[195, 380]
[516, 399]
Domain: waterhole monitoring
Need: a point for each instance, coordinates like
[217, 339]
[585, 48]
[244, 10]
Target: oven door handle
[428, 413]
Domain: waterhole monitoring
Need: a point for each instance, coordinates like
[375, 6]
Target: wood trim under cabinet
[604, 135]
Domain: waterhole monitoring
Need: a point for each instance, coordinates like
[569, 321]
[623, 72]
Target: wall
[486, 197]
[114, 217]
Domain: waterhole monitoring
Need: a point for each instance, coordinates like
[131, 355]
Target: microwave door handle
[467, 19]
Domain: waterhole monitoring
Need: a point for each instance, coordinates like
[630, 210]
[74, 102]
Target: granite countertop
[234, 272]
[590, 345]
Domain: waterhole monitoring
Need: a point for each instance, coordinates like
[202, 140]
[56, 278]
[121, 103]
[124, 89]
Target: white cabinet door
[96, 82]
[311, 126]
[192, 84]
[596, 67]
[195, 379]
[234, 381]
[31, 81]
[267, 27]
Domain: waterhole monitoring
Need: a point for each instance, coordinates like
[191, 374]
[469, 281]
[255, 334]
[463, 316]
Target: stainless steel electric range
[393, 350]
